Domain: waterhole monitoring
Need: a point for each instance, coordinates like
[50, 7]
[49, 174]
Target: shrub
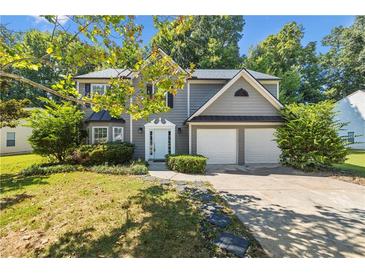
[137, 169]
[56, 130]
[309, 137]
[111, 153]
[49, 169]
[194, 164]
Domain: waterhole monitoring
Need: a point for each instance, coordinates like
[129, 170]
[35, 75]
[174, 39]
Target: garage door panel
[218, 145]
[260, 146]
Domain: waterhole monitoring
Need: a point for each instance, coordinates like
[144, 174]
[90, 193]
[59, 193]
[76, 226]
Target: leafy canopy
[207, 42]
[110, 41]
[344, 63]
[283, 55]
[309, 137]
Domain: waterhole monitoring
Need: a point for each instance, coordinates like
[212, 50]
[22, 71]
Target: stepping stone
[206, 197]
[210, 208]
[219, 219]
[232, 244]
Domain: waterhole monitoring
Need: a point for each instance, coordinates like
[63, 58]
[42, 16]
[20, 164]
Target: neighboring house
[227, 115]
[351, 110]
[15, 140]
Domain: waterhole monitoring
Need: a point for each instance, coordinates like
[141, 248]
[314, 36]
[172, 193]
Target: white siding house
[351, 110]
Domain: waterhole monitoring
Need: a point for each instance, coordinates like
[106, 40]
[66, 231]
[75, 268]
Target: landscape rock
[232, 244]
[219, 219]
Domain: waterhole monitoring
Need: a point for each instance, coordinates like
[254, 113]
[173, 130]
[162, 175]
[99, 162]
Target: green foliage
[111, 153]
[344, 63]
[134, 169]
[39, 169]
[92, 41]
[194, 164]
[12, 111]
[283, 55]
[56, 130]
[309, 138]
[208, 42]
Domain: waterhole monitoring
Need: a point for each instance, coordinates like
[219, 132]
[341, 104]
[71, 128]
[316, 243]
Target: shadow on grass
[11, 182]
[351, 169]
[169, 228]
[10, 201]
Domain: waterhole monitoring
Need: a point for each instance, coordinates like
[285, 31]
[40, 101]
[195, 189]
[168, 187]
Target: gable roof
[103, 116]
[251, 80]
[357, 99]
[105, 74]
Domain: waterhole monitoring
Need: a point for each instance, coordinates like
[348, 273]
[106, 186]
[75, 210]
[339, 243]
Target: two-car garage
[237, 145]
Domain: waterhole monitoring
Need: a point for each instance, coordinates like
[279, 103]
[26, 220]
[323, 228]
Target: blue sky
[255, 30]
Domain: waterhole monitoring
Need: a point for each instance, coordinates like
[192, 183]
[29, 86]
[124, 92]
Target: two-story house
[227, 115]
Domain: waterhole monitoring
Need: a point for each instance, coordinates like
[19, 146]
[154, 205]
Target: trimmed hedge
[110, 153]
[49, 169]
[135, 169]
[193, 164]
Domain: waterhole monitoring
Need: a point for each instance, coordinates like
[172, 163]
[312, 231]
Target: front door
[161, 143]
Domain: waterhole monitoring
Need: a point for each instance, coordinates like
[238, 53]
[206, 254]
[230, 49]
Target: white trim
[277, 89]
[157, 124]
[78, 86]
[93, 131]
[122, 134]
[190, 138]
[130, 125]
[235, 123]
[268, 81]
[208, 81]
[252, 81]
[188, 92]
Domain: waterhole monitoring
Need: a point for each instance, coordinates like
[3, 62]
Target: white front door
[161, 143]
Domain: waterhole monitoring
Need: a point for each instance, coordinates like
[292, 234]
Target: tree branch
[19, 78]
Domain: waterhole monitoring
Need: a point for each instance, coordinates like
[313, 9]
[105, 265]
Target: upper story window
[351, 137]
[10, 139]
[99, 88]
[241, 92]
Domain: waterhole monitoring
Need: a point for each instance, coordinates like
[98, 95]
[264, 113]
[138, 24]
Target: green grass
[86, 214]
[355, 163]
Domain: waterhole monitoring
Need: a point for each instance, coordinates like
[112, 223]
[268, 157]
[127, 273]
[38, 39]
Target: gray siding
[201, 93]
[228, 104]
[241, 136]
[272, 88]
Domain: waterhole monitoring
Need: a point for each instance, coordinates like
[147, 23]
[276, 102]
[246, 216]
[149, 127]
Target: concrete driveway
[291, 214]
[294, 215]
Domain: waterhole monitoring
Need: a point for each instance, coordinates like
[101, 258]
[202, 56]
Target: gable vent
[241, 92]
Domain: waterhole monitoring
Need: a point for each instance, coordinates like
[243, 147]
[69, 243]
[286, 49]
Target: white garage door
[218, 145]
[260, 146]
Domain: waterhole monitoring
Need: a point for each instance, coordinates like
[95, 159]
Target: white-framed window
[10, 139]
[118, 134]
[99, 135]
[99, 88]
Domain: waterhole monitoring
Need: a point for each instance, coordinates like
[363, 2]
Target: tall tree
[345, 61]
[119, 37]
[283, 55]
[209, 42]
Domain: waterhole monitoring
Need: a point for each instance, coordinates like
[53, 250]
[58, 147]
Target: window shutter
[170, 100]
[149, 90]
[87, 93]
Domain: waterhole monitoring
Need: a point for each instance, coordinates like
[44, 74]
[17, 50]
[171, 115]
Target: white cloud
[62, 19]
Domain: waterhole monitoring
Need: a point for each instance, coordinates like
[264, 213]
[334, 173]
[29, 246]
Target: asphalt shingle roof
[209, 74]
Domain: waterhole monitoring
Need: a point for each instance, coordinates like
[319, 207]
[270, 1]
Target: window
[10, 139]
[351, 137]
[241, 92]
[169, 142]
[149, 89]
[151, 142]
[118, 134]
[100, 135]
[169, 99]
[99, 88]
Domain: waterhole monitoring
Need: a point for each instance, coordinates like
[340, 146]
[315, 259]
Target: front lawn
[86, 214]
[355, 163]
